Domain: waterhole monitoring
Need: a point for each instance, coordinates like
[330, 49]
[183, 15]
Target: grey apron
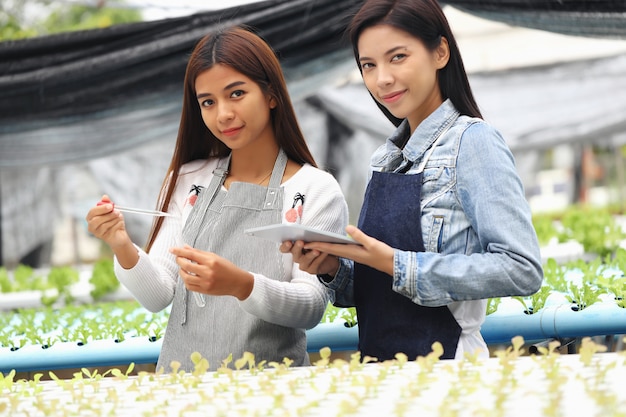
[216, 326]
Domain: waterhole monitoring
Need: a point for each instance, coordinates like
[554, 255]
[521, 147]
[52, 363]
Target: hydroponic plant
[595, 228]
[586, 284]
[509, 384]
[54, 285]
[582, 283]
[80, 323]
[103, 279]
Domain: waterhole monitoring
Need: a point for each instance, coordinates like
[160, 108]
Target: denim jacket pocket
[437, 181]
[432, 174]
[435, 235]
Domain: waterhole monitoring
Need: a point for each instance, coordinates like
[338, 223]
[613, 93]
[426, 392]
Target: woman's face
[234, 108]
[400, 72]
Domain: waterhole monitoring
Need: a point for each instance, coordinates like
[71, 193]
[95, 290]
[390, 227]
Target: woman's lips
[392, 97]
[231, 132]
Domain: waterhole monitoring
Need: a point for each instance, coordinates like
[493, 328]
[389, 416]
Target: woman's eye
[398, 57]
[367, 65]
[206, 103]
[237, 93]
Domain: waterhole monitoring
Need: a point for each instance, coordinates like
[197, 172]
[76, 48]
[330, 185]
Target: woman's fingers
[286, 246]
[105, 226]
[358, 235]
[371, 251]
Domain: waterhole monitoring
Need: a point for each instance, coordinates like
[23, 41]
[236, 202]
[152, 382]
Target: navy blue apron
[389, 322]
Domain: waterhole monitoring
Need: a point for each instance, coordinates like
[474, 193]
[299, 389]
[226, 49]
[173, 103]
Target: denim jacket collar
[419, 142]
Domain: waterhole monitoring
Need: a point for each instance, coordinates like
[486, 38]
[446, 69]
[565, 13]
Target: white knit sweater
[295, 301]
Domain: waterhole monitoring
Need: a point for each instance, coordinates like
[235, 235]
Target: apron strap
[199, 210]
[271, 201]
[193, 224]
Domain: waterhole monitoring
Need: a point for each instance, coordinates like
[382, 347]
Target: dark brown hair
[247, 53]
[425, 20]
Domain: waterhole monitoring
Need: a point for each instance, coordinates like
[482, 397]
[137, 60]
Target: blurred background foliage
[21, 19]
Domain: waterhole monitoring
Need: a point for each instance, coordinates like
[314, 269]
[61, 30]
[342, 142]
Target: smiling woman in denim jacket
[444, 223]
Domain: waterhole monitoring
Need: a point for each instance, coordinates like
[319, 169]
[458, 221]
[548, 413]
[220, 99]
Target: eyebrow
[389, 52]
[228, 87]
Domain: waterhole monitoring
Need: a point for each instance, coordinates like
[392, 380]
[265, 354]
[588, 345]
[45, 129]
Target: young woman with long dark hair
[240, 161]
[444, 223]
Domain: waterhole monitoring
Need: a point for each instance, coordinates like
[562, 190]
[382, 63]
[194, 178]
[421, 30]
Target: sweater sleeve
[152, 280]
[301, 300]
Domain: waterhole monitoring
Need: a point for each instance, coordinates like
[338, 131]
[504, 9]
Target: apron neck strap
[279, 169]
[221, 171]
[194, 221]
[271, 200]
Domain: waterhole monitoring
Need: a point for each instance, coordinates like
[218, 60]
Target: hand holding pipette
[107, 223]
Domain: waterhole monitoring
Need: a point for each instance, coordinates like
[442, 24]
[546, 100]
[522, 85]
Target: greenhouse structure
[77, 109]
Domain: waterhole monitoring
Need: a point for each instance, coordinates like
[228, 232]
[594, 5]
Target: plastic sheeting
[76, 73]
[57, 91]
[589, 18]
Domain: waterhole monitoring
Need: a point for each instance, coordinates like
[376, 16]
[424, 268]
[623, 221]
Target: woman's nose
[383, 76]
[224, 113]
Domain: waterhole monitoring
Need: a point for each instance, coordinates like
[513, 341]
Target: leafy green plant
[536, 301]
[7, 381]
[492, 305]
[25, 277]
[616, 283]
[583, 295]
[350, 317]
[588, 292]
[332, 313]
[60, 278]
[22, 278]
[554, 275]
[398, 387]
[594, 228]
[618, 261]
[123, 375]
[103, 279]
[545, 228]
[588, 349]
[80, 323]
[5, 282]
[59, 18]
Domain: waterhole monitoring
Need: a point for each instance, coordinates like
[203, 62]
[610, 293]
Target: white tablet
[291, 231]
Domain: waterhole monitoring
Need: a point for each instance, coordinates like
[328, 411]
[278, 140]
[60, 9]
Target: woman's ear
[272, 102]
[442, 53]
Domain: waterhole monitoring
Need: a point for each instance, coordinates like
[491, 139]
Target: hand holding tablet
[291, 231]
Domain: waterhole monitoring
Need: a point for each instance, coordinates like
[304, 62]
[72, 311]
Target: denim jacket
[476, 223]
